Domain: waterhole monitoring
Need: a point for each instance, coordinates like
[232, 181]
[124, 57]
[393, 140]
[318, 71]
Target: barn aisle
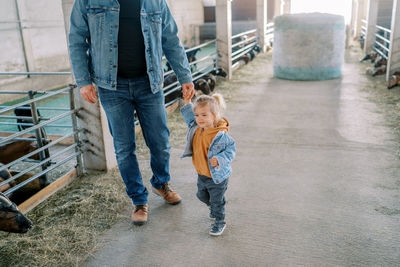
[315, 183]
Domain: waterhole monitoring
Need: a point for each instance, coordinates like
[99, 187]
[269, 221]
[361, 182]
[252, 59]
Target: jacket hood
[222, 125]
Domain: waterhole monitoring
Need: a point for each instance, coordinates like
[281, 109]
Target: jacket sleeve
[226, 156]
[188, 114]
[78, 44]
[172, 47]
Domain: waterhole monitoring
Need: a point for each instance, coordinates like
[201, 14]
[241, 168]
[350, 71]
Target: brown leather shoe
[139, 214]
[170, 196]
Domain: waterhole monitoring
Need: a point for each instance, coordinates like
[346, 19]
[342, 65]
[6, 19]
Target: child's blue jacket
[222, 147]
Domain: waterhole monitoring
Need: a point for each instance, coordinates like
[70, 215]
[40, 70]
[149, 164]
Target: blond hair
[216, 103]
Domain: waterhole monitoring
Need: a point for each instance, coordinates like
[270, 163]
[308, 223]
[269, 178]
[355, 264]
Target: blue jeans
[119, 105]
[212, 195]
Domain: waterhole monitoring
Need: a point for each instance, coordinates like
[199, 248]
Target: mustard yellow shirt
[202, 140]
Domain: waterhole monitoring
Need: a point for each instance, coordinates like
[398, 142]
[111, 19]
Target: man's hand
[214, 162]
[187, 92]
[88, 92]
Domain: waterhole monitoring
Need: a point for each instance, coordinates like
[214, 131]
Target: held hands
[187, 92]
[88, 92]
[214, 162]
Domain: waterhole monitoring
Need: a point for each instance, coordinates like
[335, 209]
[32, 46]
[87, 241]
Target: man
[118, 46]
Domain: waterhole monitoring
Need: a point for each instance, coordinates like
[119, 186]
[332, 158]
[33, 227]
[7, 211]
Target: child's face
[204, 118]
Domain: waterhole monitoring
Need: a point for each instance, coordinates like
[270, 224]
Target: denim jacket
[222, 147]
[93, 42]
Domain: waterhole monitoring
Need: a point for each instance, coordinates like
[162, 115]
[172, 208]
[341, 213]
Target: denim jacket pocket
[217, 147]
[155, 23]
[96, 18]
[95, 11]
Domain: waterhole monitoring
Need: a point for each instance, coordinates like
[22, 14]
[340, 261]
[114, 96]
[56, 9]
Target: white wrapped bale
[308, 46]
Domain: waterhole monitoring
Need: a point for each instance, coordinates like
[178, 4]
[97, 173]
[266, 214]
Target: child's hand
[214, 162]
[186, 100]
[187, 93]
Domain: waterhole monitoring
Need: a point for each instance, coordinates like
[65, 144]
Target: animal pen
[32, 152]
[36, 116]
[379, 37]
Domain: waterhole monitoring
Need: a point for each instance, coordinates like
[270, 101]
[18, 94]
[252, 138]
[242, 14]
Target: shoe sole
[171, 203]
[139, 223]
[218, 234]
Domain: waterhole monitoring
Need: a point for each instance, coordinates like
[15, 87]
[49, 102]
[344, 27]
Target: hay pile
[66, 225]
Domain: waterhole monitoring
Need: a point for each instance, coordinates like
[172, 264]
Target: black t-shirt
[131, 49]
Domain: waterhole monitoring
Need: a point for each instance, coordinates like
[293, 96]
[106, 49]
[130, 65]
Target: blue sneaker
[217, 228]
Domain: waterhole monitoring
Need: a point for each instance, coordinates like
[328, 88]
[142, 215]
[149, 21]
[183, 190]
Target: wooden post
[372, 16]
[394, 48]
[89, 118]
[224, 35]
[262, 23]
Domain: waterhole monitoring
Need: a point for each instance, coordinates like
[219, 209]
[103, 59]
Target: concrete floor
[315, 183]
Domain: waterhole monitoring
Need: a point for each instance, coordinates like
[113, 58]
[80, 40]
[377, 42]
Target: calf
[371, 56]
[394, 80]
[25, 191]
[211, 80]
[376, 71]
[11, 219]
[16, 149]
[202, 85]
[246, 58]
[219, 72]
[28, 190]
[381, 61]
[380, 70]
[4, 175]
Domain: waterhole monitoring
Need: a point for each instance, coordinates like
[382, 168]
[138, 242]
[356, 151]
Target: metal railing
[243, 43]
[47, 161]
[382, 41]
[200, 67]
[269, 33]
[363, 30]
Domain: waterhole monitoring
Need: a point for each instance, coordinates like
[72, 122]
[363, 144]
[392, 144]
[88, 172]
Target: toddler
[212, 150]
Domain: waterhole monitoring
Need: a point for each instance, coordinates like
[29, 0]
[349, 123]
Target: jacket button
[115, 46]
[114, 66]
